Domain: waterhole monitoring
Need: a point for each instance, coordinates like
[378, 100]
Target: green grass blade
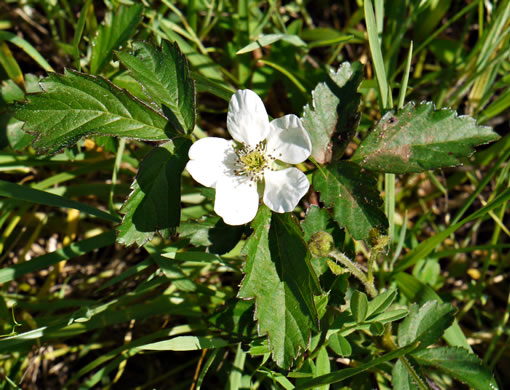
[206, 367]
[128, 273]
[481, 186]
[27, 48]
[185, 343]
[78, 32]
[405, 79]
[345, 373]
[375, 50]
[236, 375]
[286, 73]
[108, 316]
[10, 65]
[418, 292]
[434, 35]
[427, 246]
[496, 107]
[28, 194]
[74, 250]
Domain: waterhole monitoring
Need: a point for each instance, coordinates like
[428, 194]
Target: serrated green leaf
[425, 324]
[333, 118]
[126, 81]
[118, 27]
[416, 291]
[16, 138]
[164, 75]
[339, 345]
[381, 302]
[460, 364]
[400, 378]
[353, 195]
[419, 138]
[75, 105]
[154, 204]
[359, 305]
[279, 277]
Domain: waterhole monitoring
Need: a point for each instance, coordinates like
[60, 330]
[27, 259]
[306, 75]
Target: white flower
[238, 170]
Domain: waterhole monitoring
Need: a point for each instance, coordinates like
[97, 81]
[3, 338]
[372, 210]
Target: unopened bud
[321, 243]
[376, 240]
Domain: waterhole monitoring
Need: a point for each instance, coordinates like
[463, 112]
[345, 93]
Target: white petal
[284, 189]
[210, 148]
[288, 140]
[210, 159]
[247, 120]
[237, 200]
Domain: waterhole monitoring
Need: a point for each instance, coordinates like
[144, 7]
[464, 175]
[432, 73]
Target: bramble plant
[291, 208]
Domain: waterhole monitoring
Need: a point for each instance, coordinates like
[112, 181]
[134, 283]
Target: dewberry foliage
[256, 291]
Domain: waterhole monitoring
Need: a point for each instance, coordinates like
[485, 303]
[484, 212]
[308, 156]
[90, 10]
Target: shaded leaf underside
[154, 205]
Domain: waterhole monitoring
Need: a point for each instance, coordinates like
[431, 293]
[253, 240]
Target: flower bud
[376, 240]
[320, 244]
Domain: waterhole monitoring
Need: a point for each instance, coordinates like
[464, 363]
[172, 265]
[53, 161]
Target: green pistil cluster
[253, 162]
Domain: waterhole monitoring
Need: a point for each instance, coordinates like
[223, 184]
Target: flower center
[252, 162]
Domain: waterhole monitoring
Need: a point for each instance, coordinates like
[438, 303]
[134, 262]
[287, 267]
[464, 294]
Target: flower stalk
[355, 270]
[321, 244]
[378, 242]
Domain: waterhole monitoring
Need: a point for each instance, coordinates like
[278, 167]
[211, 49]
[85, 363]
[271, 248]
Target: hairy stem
[355, 271]
[370, 272]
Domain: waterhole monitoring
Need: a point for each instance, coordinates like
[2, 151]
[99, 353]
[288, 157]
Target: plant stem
[371, 261]
[355, 271]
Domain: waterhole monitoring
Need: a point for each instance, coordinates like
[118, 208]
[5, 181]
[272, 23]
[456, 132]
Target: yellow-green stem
[355, 271]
